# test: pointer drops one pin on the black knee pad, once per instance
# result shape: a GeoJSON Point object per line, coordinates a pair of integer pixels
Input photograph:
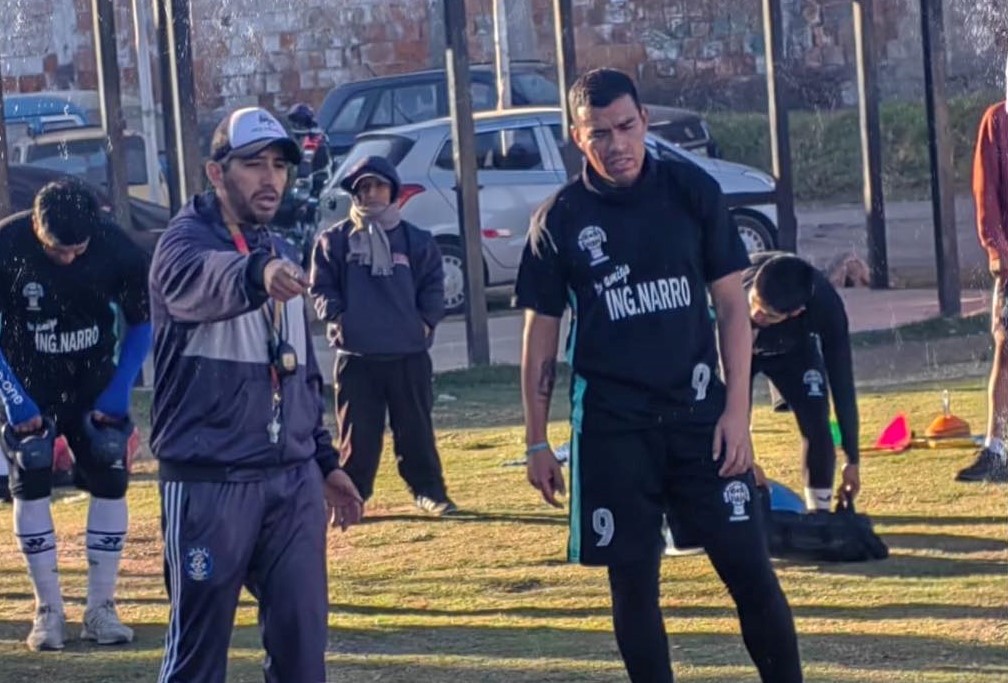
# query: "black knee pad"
{"type": "Point", "coordinates": [31, 459]}
{"type": "Point", "coordinates": [108, 443]}
{"type": "Point", "coordinates": [105, 473]}
{"type": "Point", "coordinates": [29, 452]}
{"type": "Point", "coordinates": [104, 482]}
{"type": "Point", "coordinates": [30, 484]}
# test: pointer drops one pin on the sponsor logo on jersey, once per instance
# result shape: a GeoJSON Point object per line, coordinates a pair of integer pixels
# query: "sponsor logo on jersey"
{"type": "Point", "coordinates": [11, 395]}
{"type": "Point", "coordinates": [736, 494]}
{"type": "Point", "coordinates": [199, 564]}
{"type": "Point", "coordinates": [653, 296]}
{"type": "Point", "coordinates": [813, 380]}
{"type": "Point", "coordinates": [33, 291]}
{"type": "Point", "coordinates": [591, 239]}
{"type": "Point", "coordinates": [72, 341]}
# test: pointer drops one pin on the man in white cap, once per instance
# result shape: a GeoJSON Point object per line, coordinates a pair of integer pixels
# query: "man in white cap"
{"type": "Point", "coordinates": [245, 462]}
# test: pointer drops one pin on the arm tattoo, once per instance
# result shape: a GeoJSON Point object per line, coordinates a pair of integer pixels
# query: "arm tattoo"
{"type": "Point", "coordinates": [547, 378]}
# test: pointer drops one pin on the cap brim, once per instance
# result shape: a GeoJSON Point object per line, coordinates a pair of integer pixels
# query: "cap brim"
{"type": "Point", "coordinates": [349, 184]}
{"type": "Point", "coordinates": [289, 149]}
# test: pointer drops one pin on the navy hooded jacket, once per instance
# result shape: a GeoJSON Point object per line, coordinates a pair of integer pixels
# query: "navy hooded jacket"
{"type": "Point", "coordinates": [212, 388]}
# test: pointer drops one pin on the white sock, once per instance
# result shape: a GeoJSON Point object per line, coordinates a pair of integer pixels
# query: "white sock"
{"type": "Point", "coordinates": [33, 527]}
{"type": "Point", "coordinates": [996, 445]}
{"type": "Point", "coordinates": [106, 532]}
{"type": "Point", "coordinates": [818, 499]}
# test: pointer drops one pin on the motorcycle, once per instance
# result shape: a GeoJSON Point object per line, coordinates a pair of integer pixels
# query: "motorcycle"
{"type": "Point", "coordinates": [297, 219]}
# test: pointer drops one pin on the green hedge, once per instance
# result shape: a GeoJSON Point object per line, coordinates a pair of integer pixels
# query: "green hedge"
{"type": "Point", "coordinates": [826, 147]}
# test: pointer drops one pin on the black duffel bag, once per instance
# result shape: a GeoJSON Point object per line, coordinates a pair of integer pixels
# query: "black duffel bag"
{"type": "Point", "coordinates": [841, 536]}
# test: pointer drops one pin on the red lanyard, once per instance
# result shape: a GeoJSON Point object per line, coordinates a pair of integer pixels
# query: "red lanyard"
{"type": "Point", "coordinates": [242, 245]}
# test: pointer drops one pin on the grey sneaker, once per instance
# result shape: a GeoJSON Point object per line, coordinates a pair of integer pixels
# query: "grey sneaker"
{"type": "Point", "coordinates": [48, 629]}
{"type": "Point", "coordinates": [988, 466]}
{"type": "Point", "coordinates": [436, 508]}
{"type": "Point", "coordinates": [102, 625]}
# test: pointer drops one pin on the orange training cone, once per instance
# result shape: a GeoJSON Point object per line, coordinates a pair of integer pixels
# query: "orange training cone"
{"type": "Point", "coordinates": [946, 426]}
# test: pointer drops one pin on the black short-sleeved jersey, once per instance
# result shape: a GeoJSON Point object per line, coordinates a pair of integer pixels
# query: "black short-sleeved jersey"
{"type": "Point", "coordinates": [57, 323]}
{"type": "Point", "coordinates": [633, 264]}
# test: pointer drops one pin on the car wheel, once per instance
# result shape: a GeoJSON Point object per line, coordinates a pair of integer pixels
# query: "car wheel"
{"type": "Point", "coordinates": [454, 277]}
{"type": "Point", "coordinates": [754, 232]}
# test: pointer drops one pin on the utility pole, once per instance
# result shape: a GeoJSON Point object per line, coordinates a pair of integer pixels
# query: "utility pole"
{"type": "Point", "coordinates": [148, 117]}
{"type": "Point", "coordinates": [940, 149]}
{"type": "Point", "coordinates": [463, 131]}
{"type": "Point", "coordinates": [780, 137]}
{"type": "Point", "coordinates": [103, 13]}
{"type": "Point", "coordinates": [563, 30]}
{"type": "Point", "coordinates": [502, 54]}
{"type": "Point", "coordinates": [871, 142]}
{"type": "Point", "coordinates": [5, 199]}
{"type": "Point", "coordinates": [178, 88]}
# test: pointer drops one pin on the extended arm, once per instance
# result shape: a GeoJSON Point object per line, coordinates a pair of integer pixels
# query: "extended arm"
{"type": "Point", "coordinates": [205, 285]}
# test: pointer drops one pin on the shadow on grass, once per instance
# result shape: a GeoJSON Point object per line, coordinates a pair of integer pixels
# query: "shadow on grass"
{"type": "Point", "coordinates": [468, 517]}
{"type": "Point", "coordinates": [949, 543]}
{"type": "Point", "coordinates": [911, 567]}
{"type": "Point", "coordinates": [959, 520]}
{"type": "Point", "coordinates": [673, 612]}
{"type": "Point", "coordinates": [525, 654]}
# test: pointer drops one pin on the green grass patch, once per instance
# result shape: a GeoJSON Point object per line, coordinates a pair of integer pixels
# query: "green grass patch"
{"type": "Point", "coordinates": [486, 597]}
{"type": "Point", "coordinates": [826, 147]}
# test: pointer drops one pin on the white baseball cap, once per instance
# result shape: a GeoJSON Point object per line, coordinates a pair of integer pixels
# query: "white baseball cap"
{"type": "Point", "coordinates": [245, 132]}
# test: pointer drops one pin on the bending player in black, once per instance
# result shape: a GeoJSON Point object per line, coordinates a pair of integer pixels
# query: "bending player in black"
{"type": "Point", "coordinates": [802, 345]}
{"type": "Point", "coordinates": [632, 246]}
{"type": "Point", "coordinates": [65, 270]}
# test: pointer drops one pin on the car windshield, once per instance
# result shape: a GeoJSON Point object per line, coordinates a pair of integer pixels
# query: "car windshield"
{"type": "Point", "coordinates": [92, 156]}
{"type": "Point", "coordinates": [535, 88]}
{"type": "Point", "coordinates": [393, 147]}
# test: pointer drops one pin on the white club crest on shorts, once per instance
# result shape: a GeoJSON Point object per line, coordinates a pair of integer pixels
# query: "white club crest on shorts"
{"type": "Point", "coordinates": [33, 291]}
{"type": "Point", "coordinates": [813, 380]}
{"type": "Point", "coordinates": [199, 564]}
{"type": "Point", "coordinates": [591, 240]}
{"type": "Point", "coordinates": [736, 494]}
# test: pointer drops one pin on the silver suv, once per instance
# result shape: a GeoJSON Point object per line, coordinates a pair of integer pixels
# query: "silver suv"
{"type": "Point", "coordinates": [518, 167]}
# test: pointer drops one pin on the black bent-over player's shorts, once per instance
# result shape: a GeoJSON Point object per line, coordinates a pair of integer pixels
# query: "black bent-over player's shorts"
{"type": "Point", "coordinates": [623, 482]}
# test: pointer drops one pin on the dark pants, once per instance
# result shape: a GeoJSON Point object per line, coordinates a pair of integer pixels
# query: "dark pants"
{"type": "Point", "coordinates": [616, 508]}
{"type": "Point", "coordinates": [800, 377]}
{"type": "Point", "coordinates": [268, 535]}
{"type": "Point", "coordinates": [368, 388]}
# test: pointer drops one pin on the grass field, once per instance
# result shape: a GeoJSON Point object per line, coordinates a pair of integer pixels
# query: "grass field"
{"type": "Point", "coordinates": [486, 596]}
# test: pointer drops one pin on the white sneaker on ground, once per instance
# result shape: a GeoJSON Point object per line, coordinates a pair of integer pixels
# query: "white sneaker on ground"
{"type": "Point", "coordinates": [48, 629]}
{"type": "Point", "coordinates": [102, 625]}
{"type": "Point", "coordinates": [671, 550]}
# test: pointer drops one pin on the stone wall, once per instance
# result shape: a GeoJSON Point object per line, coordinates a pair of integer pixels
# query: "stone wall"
{"type": "Point", "coordinates": [702, 53]}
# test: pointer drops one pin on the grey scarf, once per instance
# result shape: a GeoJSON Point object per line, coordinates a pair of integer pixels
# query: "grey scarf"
{"type": "Point", "coordinates": [368, 244]}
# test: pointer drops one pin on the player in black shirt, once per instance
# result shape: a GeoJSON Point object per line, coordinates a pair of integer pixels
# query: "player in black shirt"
{"type": "Point", "coordinates": [632, 246]}
{"type": "Point", "coordinates": [66, 276]}
{"type": "Point", "coordinates": [802, 345]}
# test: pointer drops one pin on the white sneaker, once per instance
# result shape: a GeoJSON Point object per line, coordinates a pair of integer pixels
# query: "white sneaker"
{"type": "Point", "coordinates": [102, 625]}
{"type": "Point", "coordinates": [48, 630]}
{"type": "Point", "coordinates": [671, 549]}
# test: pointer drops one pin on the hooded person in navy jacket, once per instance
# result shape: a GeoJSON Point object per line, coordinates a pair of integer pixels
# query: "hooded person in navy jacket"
{"type": "Point", "coordinates": [378, 283]}
{"type": "Point", "coordinates": [246, 465]}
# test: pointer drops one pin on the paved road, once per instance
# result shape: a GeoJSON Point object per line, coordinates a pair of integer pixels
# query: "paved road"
{"type": "Point", "coordinates": [825, 231]}
{"type": "Point", "coordinates": [867, 309]}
